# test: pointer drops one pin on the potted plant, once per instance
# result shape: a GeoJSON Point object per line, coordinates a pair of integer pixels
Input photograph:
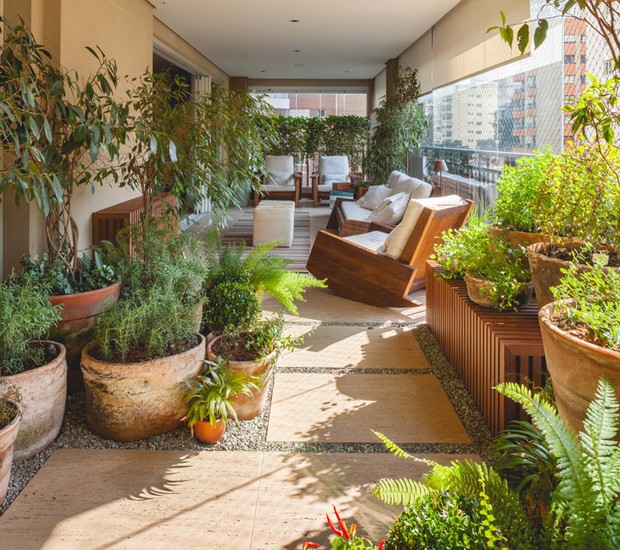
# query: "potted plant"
{"type": "Point", "coordinates": [581, 336]}
{"type": "Point", "coordinates": [54, 135]}
{"type": "Point", "coordinates": [495, 273]}
{"type": "Point", "coordinates": [210, 397]}
{"type": "Point", "coordinates": [10, 417]}
{"type": "Point", "coordinates": [33, 372]}
{"type": "Point", "coordinates": [518, 190]}
{"type": "Point", "coordinates": [147, 344]}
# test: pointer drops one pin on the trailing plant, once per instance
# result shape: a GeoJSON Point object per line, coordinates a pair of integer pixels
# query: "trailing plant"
{"type": "Point", "coordinates": [580, 199]}
{"type": "Point", "coordinates": [500, 520]}
{"type": "Point", "coordinates": [26, 314]}
{"type": "Point", "coordinates": [518, 190]}
{"type": "Point", "coordinates": [92, 273]}
{"type": "Point", "coordinates": [588, 304]}
{"type": "Point", "coordinates": [478, 252]}
{"type": "Point", "coordinates": [55, 125]}
{"type": "Point", "coordinates": [400, 126]}
{"type": "Point", "coordinates": [210, 396]}
{"type": "Point", "coordinates": [585, 507]}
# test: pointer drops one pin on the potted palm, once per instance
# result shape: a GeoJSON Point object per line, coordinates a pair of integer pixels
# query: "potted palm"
{"type": "Point", "coordinates": [56, 135]}
{"type": "Point", "coordinates": [210, 399]}
{"type": "Point", "coordinates": [581, 335]}
{"type": "Point", "coordinates": [10, 417]}
{"type": "Point", "coordinates": [33, 372]}
{"type": "Point", "coordinates": [147, 344]}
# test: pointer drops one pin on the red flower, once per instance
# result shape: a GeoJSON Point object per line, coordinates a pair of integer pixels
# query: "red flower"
{"type": "Point", "coordinates": [309, 544]}
{"type": "Point", "coordinates": [345, 532]}
{"type": "Point", "coordinates": [381, 545]}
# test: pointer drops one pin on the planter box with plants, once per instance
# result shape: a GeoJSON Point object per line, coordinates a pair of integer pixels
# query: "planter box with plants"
{"type": "Point", "coordinates": [33, 372]}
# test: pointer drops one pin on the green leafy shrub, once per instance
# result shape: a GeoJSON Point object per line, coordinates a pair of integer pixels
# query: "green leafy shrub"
{"type": "Point", "coordinates": [439, 520]}
{"type": "Point", "coordinates": [8, 411]}
{"type": "Point", "coordinates": [231, 306]}
{"type": "Point", "coordinates": [594, 306]}
{"type": "Point", "coordinates": [26, 314]}
{"type": "Point", "coordinates": [210, 395]}
{"type": "Point", "coordinates": [476, 251]}
{"type": "Point", "coordinates": [518, 192]}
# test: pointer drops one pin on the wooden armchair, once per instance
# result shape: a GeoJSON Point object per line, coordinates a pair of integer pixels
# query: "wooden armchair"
{"type": "Point", "coordinates": [354, 271]}
{"type": "Point", "coordinates": [280, 181]}
{"type": "Point", "coordinates": [332, 171]}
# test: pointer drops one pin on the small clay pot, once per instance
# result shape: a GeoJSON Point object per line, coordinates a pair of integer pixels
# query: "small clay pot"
{"type": "Point", "coordinates": [206, 433]}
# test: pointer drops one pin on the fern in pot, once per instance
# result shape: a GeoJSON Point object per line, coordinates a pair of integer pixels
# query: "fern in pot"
{"type": "Point", "coordinates": [495, 272]}
{"type": "Point", "coordinates": [147, 345]}
{"type": "Point", "coordinates": [581, 336]}
{"type": "Point", "coordinates": [32, 371]}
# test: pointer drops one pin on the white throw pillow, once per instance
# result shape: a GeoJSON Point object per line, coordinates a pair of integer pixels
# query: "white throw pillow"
{"type": "Point", "coordinates": [398, 237]}
{"type": "Point", "coordinates": [420, 189]}
{"type": "Point", "coordinates": [391, 209]}
{"type": "Point", "coordinates": [374, 196]}
{"type": "Point", "coordinates": [338, 164]}
{"type": "Point", "coordinates": [328, 179]}
{"type": "Point", "coordinates": [280, 178]}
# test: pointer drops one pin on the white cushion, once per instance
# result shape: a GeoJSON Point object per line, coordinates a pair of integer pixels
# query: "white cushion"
{"type": "Point", "coordinates": [352, 211]}
{"type": "Point", "coordinates": [395, 177]}
{"type": "Point", "coordinates": [372, 241]}
{"type": "Point", "coordinates": [333, 165]}
{"type": "Point", "coordinates": [272, 187]}
{"type": "Point", "coordinates": [280, 178]}
{"type": "Point", "coordinates": [324, 187]}
{"type": "Point", "coordinates": [274, 221]}
{"type": "Point", "coordinates": [275, 164]}
{"type": "Point", "coordinates": [397, 239]}
{"type": "Point", "coordinates": [328, 179]}
{"type": "Point", "coordinates": [391, 209]}
{"type": "Point", "coordinates": [420, 189]}
{"type": "Point", "coordinates": [374, 196]}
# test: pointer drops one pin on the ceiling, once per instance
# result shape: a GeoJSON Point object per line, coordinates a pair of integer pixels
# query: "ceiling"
{"type": "Point", "coordinates": [342, 39]}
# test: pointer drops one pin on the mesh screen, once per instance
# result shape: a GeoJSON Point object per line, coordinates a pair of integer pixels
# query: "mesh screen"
{"type": "Point", "coordinates": [320, 105]}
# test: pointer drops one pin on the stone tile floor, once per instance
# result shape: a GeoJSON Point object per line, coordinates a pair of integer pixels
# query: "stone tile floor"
{"type": "Point", "coordinates": [360, 369]}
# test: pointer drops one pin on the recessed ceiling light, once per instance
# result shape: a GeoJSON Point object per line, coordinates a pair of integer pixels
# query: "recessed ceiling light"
{"type": "Point", "coordinates": [263, 71]}
{"type": "Point", "coordinates": [297, 51]}
{"type": "Point", "coordinates": [294, 20]}
{"type": "Point", "coordinates": [298, 65]}
{"type": "Point", "coordinates": [347, 71]}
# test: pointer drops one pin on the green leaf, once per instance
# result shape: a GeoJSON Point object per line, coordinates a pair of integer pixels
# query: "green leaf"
{"type": "Point", "coordinates": [540, 34]}
{"type": "Point", "coordinates": [94, 150]}
{"type": "Point", "coordinates": [153, 145]}
{"type": "Point", "coordinates": [523, 37]}
{"type": "Point", "coordinates": [172, 149]}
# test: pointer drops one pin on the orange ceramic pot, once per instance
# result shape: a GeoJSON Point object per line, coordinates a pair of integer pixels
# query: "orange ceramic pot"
{"type": "Point", "coordinates": [206, 433]}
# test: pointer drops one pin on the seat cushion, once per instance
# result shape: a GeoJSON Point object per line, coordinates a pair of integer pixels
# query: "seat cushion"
{"type": "Point", "coordinates": [352, 211]}
{"type": "Point", "coordinates": [391, 210]}
{"type": "Point", "coordinates": [397, 239]}
{"type": "Point", "coordinates": [374, 240]}
{"type": "Point", "coordinates": [273, 187]}
{"type": "Point", "coordinates": [402, 183]}
{"type": "Point", "coordinates": [374, 196]}
{"type": "Point", "coordinates": [328, 179]}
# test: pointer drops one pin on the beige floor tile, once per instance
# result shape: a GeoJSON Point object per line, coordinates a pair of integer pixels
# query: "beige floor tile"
{"type": "Point", "coordinates": [136, 499]}
{"type": "Point", "coordinates": [322, 305]}
{"type": "Point", "coordinates": [297, 490]}
{"type": "Point", "coordinates": [359, 347]}
{"type": "Point", "coordinates": [407, 408]}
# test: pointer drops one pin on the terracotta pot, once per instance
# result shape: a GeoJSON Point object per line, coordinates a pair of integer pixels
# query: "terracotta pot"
{"type": "Point", "coordinates": [520, 238]}
{"type": "Point", "coordinates": [42, 395]}
{"type": "Point", "coordinates": [546, 272]}
{"type": "Point", "coordinates": [8, 434]}
{"type": "Point", "coordinates": [478, 292]}
{"type": "Point", "coordinates": [133, 401]}
{"type": "Point", "coordinates": [205, 433]}
{"type": "Point", "coordinates": [248, 406]}
{"type": "Point", "coordinates": [575, 367]}
{"type": "Point", "coordinates": [74, 330]}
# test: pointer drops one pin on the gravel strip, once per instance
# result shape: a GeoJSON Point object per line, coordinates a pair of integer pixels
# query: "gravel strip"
{"type": "Point", "coordinates": [251, 435]}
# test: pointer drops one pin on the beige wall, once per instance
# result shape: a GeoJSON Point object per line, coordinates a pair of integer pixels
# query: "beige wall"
{"type": "Point", "coordinates": [379, 89]}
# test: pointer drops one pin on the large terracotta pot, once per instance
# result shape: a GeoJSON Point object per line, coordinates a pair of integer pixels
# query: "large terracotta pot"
{"type": "Point", "coordinates": [42, 395]}
{"type": "Point", "coordinates": [248, 406]}
{"type": "Point", "coordinates": [205, 433]}
{"type": "Point", "coordinates": [74, 329]}
{"type": "Point", "coordinates": [478, 292]}
{"type": "Point", "coordinates": [520, 238]}
{"type": "Point", "coordinates": [8, 434]}
{"type": "Point", "coordinates": [133, 401]}
{"type": "Point", "coordinates": [575, 367]}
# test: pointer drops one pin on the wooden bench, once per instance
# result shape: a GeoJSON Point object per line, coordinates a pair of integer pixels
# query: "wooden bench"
{"type": "Point", "coordinates": [485, 347]}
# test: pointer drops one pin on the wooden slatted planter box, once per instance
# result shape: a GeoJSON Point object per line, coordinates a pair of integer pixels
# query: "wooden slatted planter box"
{"type": "Point", "coordinates": [485, 347]}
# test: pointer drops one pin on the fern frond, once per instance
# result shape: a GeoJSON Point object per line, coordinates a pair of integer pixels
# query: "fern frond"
{"type": "Point", "coordinates": [402, 491]}
{"type": "Point", "coordinates": [391, 446]}
{"type": "Point", "coordinates": [601, 450]}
